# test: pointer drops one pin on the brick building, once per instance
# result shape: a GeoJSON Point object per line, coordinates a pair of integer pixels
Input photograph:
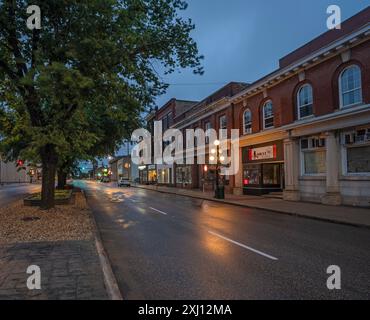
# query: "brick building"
{"type": "Point", "coordinates": [168, 114]}
{"type": "Point", "coordinates": [9, 173]}
{"type": "Point", "coordinates": [304, 128]}
{"type": "Point", "coordinates": [214, 112]}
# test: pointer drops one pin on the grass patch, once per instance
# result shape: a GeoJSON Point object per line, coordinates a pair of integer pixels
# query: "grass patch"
{"type": "Point", "coordinates": [59, 195]}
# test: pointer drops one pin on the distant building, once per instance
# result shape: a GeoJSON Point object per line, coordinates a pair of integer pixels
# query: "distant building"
{"type": "Point", "coordinates": [122, 167]}
{"type": "Point", "coordinates": [9, 173]}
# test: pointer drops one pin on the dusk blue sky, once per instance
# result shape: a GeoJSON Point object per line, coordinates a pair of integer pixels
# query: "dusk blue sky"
{"type": "Point", "coordinates": [243, 40]}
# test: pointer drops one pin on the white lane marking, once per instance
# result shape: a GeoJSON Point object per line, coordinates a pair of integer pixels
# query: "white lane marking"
{"type": "Point", "coordinates": [244, 246]}
{"type": "Point", "coordinates": [164, 213]}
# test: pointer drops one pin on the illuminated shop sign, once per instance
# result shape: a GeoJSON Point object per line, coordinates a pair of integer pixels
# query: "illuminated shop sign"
{"type": "Point", "coordinates": [263, 153]}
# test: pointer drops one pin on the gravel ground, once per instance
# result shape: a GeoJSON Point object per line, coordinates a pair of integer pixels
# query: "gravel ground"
{"type": "Point", "coordinates": [71, 222]}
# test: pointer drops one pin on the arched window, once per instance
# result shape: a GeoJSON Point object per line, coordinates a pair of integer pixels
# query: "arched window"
{"type": "Point", "coordinates": [268, 115]}
{"type": "Point", "coordinates": [350, 89]}
{"type": "Point", "coordinates": [305, 101]}
{"type": "Point", "coordinates": [247, 122]}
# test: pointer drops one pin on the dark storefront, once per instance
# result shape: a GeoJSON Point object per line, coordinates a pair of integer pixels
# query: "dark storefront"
{"type": "Point", "coordinates": [148, 174]}
{"type": "Point", "coordinates": [263, 168]}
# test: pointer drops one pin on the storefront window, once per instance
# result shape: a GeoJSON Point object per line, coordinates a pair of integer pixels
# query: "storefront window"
{"type": "Point", "coordinates": [143, 176]}
{"type": "Point", "coordinates": [152, 176]}
{"type": "Point", "coordinates": [164, 176]}
{"type": "Point", "coordinates": [313, 155]}
{"type": "Point", "coordinates": [314, 162]}
{"type": "Point", "coordinates": [271, 174]}
{"type": "Point", "coordinates": [183, 174]}
{"type": "Point", "coordinates": [358, 159]}
{"type": "Point", "coordinates": [251, 175]}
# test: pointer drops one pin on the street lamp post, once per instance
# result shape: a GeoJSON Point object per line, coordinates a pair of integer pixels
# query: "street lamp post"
{"type": "Point", "coordinates": [219, 192]}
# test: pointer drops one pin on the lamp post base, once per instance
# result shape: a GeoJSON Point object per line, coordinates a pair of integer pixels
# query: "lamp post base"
{"type": "Point", "coordinates": [220, 192]}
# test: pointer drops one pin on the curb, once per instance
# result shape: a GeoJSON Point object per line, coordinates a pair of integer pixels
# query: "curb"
{"type": "Point", "coordinates": [110, 280]}
{"type": "Point", "coordinates": [294, 214]}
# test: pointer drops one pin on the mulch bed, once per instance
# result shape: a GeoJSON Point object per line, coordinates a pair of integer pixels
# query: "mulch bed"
{"type": "Point", "coordinates": [30, 224]}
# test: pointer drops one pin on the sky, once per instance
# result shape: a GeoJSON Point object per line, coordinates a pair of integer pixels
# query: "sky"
{"type": "Point", "coordinates": [243, 40]}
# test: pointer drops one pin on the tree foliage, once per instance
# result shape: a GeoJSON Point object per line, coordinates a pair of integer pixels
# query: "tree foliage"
{"type": "Point", "coordinates": [77, 87]}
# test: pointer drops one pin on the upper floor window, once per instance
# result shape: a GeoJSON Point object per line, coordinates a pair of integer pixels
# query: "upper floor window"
{"type": "Point", "coordinates": [305, 101]}
{"type": "Point", "coordinates": [223, 122]}
{"type": "Point", "coordinates": [167, 121]}
{"type": "Point", "coordinates": [170, 119]}
{"type": "Point", "coordinates": [350, 89]}
{"type": "Point", "coordinates": [164, 123]}
{"type": "Point", "coordinates": [208, 126]}
{"type": "Point", "coordinates": [268, 115]}
{"type": "Point", "coordinates": [247, 122]}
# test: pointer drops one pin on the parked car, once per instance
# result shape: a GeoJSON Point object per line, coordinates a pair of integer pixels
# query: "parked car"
{"type": "Point", "coordinates": [124, 183]}
{"type": "Point", "coordinates": [105, 180]}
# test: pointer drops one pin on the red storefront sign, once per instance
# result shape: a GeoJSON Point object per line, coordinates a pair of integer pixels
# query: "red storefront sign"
{"type": "Point", "coordinates": [263, 153]}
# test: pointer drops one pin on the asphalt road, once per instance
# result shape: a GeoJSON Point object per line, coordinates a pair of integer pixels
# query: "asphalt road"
{"type": "Point", "coordinates": [172, 247]}
{"type": "Point", "coordinates": [12, 192]}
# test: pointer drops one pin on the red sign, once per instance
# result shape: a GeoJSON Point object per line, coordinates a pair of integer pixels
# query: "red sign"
{"type": "Point", "coordinates": [263, 153]}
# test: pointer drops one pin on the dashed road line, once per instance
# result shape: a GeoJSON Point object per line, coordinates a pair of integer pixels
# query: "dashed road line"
{"type": "Point", "coordinates": [244, 246]}
{"type": "Point", "coordinates": [159, 211]}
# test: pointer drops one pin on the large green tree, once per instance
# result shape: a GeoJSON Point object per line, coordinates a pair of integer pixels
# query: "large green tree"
{"type": "Point", "coordinates": [92, 62]}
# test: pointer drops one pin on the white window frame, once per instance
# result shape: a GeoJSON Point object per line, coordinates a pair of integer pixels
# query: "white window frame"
{"type": "Point", "coordinates": [206, 128]}
{"type": "Point", "coordinates": [345, 147]}
{"type": "Point", "coordinates": [341, 93]}
{"type": "Point", "coordinates": [311, 149]}
{"type": "Point", "coordinates": [299, 106]}
{"type": "Point", "coordinates": [220, 122]}
{"type": "Point", "coordinates": [245, 131]}
{"type": "Point", "coordinates": [263, 115]}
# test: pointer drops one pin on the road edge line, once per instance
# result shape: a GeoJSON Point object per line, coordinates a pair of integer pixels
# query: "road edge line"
{"type": "Point", "coordinates": [110, 281]}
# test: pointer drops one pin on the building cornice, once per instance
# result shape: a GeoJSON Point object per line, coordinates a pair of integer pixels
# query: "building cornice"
{"type": "Point", "coordinates": [204, 113]}
{"type": "Point", "coordinates": [325, 53]}
{"type": "Point", "coordinates": [281, 132]}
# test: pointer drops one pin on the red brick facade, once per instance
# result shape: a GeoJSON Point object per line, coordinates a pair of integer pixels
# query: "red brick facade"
{"type": "Point", "coordinates": [319, 63]}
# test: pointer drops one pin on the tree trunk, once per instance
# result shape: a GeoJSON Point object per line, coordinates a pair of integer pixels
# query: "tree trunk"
{"type": "Point", "coordinates": [49, 161]}
{"type": "Point", "coordinates": [62, 179]}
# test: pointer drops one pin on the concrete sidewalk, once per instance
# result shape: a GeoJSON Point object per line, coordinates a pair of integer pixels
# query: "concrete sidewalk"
{"type": "Point", "coordinates": [359, 217]}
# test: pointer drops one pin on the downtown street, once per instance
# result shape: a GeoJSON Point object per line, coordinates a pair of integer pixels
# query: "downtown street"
{"type": "Point", "coordinates": [172, 247]}
{"type": "Point", "coordinates": [15, 191]}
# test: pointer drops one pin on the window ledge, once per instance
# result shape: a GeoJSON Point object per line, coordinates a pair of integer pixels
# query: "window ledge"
{"type": "Point", "coordinates": [351, 106]}
{"type": "Point", "coordinates": [312, 178]}
{"type": "Point", "coordinates": [359, 177]}
{"type": "Point", "coordinates": [267, 129]}
{"type": "Point", "coordinates": [305, 118]}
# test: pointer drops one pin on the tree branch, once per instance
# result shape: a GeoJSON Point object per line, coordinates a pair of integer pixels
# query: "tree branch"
{"type": "Point", "coordinates": [8, 71]}
{"type": "Point", "coordinates": [13, 40]}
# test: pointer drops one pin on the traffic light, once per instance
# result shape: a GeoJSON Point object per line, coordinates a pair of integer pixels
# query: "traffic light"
{"type": "Point", "coordinates": [20, 163]}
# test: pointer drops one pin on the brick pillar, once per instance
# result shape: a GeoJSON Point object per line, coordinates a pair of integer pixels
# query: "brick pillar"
{"type": "Point", "coordinates": [332, 196]}
{"type": "Point", "coordinates": [238, 183]}
{"type": "Point", "coordinates": [291, 170]}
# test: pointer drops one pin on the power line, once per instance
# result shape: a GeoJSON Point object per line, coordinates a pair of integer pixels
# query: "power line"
{"type": "Point", "coordinates": [197, 84]}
